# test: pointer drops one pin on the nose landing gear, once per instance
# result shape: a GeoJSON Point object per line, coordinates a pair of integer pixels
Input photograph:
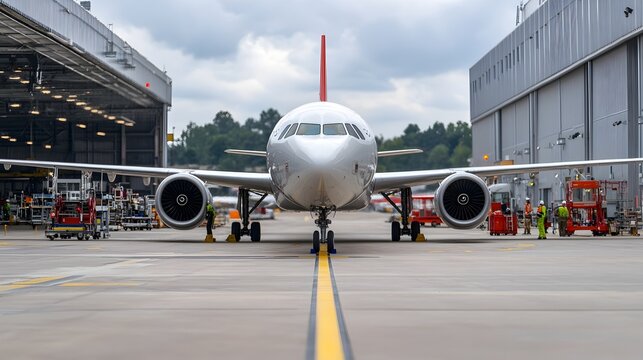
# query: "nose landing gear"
{"type": "Point", "coordinates": [323, 236]}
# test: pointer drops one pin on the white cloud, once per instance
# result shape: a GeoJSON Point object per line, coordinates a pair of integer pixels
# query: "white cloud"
{"type": "Point", "coordinates": [393, 62]}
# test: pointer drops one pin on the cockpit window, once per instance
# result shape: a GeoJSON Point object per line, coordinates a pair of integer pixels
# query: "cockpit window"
{"type": "Point", "coordinates": [334, 129]}
{"type": "Point", "coordinates": [309, 129]}
{"type": "Point", "coordinates": [292, 131]}
{"type": "Point", "coordinates": [284, 132]}
{"type": "Point", "coordinates": [351, 131]}
{"type": "Point", "coordinates": [361, 136]}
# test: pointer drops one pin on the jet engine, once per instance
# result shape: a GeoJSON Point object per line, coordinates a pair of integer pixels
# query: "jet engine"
{"type": "Point", "coordinates": [462, 201]}
{"type": "Point", "coordinates": [181, 200]}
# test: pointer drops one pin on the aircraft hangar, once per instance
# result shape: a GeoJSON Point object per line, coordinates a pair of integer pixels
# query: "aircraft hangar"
{"type": "Point", "coordinates": [564, 85]}
{"type": "Point", "coordinates": [71, 90]}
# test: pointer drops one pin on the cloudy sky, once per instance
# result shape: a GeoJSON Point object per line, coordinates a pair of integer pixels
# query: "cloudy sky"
{"type": "Point", "coordinates": [394, 62]}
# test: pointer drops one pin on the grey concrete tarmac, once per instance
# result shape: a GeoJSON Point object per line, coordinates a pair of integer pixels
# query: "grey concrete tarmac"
{"type": "Point", "coordinates": [165, 294]}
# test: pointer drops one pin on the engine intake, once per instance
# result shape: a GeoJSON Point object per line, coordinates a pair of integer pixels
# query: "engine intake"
{"type": "Point", "coordinates": [181, 201]}
{"type": "Point", "coordinates": [462, 201]}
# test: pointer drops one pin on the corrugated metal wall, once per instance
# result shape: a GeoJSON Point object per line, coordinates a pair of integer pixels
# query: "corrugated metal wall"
{"type": "Point", "coordinates": [484, 141]}
{"type": "Point", "coordinates": [559, 37]}
{"type": "Point", "coordinates": [610, 111]}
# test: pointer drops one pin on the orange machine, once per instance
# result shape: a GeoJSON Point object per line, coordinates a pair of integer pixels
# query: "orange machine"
{"type": "Point", "coordinates": [585, 204]}
{"type": "Point", "coordinates": [424, 211]}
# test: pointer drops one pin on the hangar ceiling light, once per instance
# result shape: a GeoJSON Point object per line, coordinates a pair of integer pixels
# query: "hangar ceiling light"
{"type": "Point", "coordinates": [120, 121]}
{"type": "Point", "coordinates": [111, 117]}
{"type": "Point", "coordinates": [29, 142]}
{"type": "Point", "coordinates": [57, 97]}
{"type": "Point", "coordinates": [46, 91]}
{"type": "Point", "coordinates": [100, 133]}
{"type": "Point", "coordinates": [14, 105]}
{"type": "Point", "coordinates": [129, 124]}
{"type": "Point", "coordinates": [14, 77]}
{"type": "Point", "coordinates": [81, 103]}
{"type": "Point", "coordinates": [5, 137]}
{"type": "Point", "coordinates": [61, 119]}
{"type": "Point", "coordinates": [82, 126]}
{"type": "Point", "coordinates": [13, 139]}
{"type": "Point", "coordinates": [47, 146]}
{"type": "Point", "coordinates": [24, 82]}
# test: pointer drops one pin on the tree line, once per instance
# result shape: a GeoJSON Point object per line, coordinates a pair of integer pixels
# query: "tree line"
{"type": "Point", "coordinates": [444, 145]}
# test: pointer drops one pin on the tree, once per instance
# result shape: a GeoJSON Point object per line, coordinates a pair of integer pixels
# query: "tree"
{"type": "Point", "coordinates": [461, 155]}
{"type": "Point", "coordinates": [443, 145]}
{"type": "Point", "coordinates": [439, 157]}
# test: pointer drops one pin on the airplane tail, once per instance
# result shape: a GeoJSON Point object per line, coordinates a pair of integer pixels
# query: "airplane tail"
{"type": "Point", "coordinates": [322, 70]}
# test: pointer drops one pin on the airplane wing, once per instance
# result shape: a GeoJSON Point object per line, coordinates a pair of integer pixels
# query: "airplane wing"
{"type": "Point", "coordinates": [253, 181]}
{"type": "Point", "coordinates": [398, 152]}
{"type": "Point", "coordinates": [246, 152]}
{"type": "Point", "coordinates": [396, 180]}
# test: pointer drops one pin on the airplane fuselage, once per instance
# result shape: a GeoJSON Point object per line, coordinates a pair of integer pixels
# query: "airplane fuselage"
{"type": "Point", "coordinates": [322, 155]}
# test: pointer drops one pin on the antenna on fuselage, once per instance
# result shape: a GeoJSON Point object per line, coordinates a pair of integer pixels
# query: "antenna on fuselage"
{"type": "Point", "coordinates": [322, 70]}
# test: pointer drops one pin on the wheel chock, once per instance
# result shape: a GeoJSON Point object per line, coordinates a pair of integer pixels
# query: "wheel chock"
{"type": "Point", "coordinates": [420, 238]}
{"type": "Point", "coordinates": [231, 239]}
{"type": "Point", "coordinates": [333, 251]}
{"type": "Point", "coordinates": [209, 238]}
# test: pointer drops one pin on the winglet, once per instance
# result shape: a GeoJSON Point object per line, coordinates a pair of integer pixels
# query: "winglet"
{"type": "Point", "coordinates": [322, 70]}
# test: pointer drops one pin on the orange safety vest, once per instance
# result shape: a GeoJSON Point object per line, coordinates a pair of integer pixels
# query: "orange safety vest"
{"type": "Point", "coordinates": [528, 209]}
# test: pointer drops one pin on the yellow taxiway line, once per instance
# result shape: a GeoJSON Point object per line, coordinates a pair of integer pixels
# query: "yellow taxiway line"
{"type": "Point", "coordinates": [27, 283]}
{"type": "Point", "coordinates": [327, 335]}
{"type": "Point", "coordinates": [328, 339]}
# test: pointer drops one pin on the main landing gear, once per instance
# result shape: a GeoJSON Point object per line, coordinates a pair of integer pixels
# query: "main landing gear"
{"type": "Point", "coordinates": [407, 205]}
{"type": "Point", "coordinates": [243, 205]}
{"type": "Point", "coordinates": [323, 236]}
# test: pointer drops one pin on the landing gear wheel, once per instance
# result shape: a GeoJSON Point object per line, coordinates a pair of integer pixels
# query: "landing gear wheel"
{"type": "Point", "coordinates": [255, 232]}
{"type": "Point", "coordinates": [415, 230]}
{"type": "Point", "coordinates": [395, 231]}
{"type": "Point", "coordinates": [236, 230]}
{"type": "Point", "coordinates": [316, 242]}
{"type": "Point", "coordinates": [330, 242]}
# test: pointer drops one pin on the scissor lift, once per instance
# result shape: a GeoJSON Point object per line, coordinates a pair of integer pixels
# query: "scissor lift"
{"type": "Point", "coordinates": [585, 205]}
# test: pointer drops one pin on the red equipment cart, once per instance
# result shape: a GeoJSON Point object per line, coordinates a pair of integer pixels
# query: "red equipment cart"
{"type": "Point", "coordinates": [585, 205]}
{"type": "Point", "coordinates": [424, 210]}
{"type": "Point", "coordinates": [502, 218]}
{"type": "Point", "coordinates": [73, 218]}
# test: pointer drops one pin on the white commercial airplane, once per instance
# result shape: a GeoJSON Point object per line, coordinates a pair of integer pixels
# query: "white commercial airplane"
{"type": "Point", "coordinates": [321, 158]}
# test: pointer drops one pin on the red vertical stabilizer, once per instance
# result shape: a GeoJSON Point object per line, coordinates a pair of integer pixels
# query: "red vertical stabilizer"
{"type": "Point", "coordinates": [322, 70]}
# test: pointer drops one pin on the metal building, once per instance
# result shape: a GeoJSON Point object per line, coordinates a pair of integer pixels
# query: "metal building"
{"type": "Point", "coordinates": [564, 85]}
{"type": "Point", "coordinates": [71, 90]}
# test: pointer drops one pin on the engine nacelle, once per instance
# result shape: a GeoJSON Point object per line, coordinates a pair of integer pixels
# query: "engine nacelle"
{"type": "Point", "coordinates": [181, 201]}
{"type": "Point", "coordinates": [462, 201]}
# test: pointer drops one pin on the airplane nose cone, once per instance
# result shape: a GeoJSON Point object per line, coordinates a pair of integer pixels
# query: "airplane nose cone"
{"type": "Point", "coordinates": [323, 172]}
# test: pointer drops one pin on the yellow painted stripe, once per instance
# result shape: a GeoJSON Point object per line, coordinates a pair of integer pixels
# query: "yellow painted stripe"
{"type": "Point", "coordinates": [36, 281]}
{"type": "Point", "coordinates": [29, 282]}
{"type": "Point", "coordinates": [87, 284]}
{"type": "Point", "coordinates": [328, 341]}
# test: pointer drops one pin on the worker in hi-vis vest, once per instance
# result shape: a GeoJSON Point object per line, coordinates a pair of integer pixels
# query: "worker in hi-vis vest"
{"type": "Point", "coordinates": [541, 213]}
{"type": "Point", "coordinates": [563, 215]}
